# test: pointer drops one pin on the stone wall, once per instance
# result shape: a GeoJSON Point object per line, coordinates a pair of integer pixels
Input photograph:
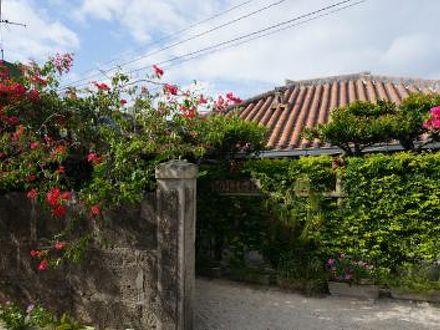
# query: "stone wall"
{"type": "Point", "coordinates": [138, 275]}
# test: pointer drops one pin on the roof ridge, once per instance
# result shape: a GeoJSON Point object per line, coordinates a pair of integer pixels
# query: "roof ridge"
{"type": "Point", "coordinates": [367, 76]}
{"type": "Point", "coordinates": [426, 84]}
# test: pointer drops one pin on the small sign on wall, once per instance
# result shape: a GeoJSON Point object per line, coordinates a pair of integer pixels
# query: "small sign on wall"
{"type": "Point", "coordinates": [236, 187]}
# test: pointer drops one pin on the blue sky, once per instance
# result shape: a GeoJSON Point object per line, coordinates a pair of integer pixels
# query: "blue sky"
{"type": "Point", "coordinates": [391, 37]}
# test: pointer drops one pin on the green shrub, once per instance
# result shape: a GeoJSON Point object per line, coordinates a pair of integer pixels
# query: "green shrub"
{"type": "Point", "coordinates": [362, 124]}
{"type": "Point", "coordinates": [34, 317]}
{"type": "Point", "coordinates": [390, 215]}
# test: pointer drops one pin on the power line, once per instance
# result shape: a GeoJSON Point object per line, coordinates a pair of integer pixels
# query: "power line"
{"type": "Point", "coordinates": [177, 33]}
{"type": "Point", "coordinates": [174, 64]}
{"type": "Point", "coordinates": [255, 33]}
{"type": "Point", "coordinates": [196, 36]}
{"type": "Point", "coordinates": [258, 34]}
{"type": "Point", "coordinates": [5, 22]}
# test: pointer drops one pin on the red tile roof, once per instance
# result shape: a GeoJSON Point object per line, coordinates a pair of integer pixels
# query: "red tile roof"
{"type": "Point", "coordinates": [286, 110]}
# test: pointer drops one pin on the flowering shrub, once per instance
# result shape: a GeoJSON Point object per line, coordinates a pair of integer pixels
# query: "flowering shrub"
{"type": "Point", "coordinates": [81, 152]}
{"type": "Point", "coordinates": [346, 269]}
{"type": "Point", "coordinates": [432, 124]}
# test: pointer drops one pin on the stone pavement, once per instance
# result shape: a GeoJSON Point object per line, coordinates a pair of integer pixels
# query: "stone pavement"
{"type": "Point", "coordinates": [228, 305]}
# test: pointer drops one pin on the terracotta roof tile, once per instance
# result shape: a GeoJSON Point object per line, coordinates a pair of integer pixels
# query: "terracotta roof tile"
{"type": "Point", "coordinates": [287, 109]}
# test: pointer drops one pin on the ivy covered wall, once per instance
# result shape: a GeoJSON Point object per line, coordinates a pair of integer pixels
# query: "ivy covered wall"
{"type": "Point", "coordinates": [389, 217]}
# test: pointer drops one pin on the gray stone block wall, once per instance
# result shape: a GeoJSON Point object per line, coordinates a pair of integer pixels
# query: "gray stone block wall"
{"type": "Point", "coordinates": [139, 274]}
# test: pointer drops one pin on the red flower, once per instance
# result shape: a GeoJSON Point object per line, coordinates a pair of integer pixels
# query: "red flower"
{"type": "Point", "coordinates": [123, 102]}
{"type": "Point", "coordinates": [35, 253]}
{"type": "Point", "coordinates": [157, 71]}
{"type": "Point", "coordinates": [11, 120]}
{"type": "Point", "coordinates": [34, 95]}
{"type": "Point", "coordinates": [59, 150]}
{"type": "Point", "coordinates": [190, 113]}
{"type": "Point", "coordinates": [95, 210]}
{"type": "Point", "coordinates": [202, 99]}
{"type": "Point", "coordinates": [94, 158]}
{"type": "Point", "coordinates": [31, 178]}
{"type": "Point", "coordinates": [39, 81]}
{"type": "Point", "coordinates": [60, 170]}
{"type": "Point", "coordinates": [59, 246]}
{"type": "Point", "coordinates": [42, 266]}
{"type": "Point", "coordinates": [101, 86]}
{"type": "Point", "coordinates": [59, 211]}
{"type": "Point", "coordinates": [231, 97]}
{"type": "Point", "coordinates": [52, 196]}
{"type": "Point", "coordinates": [170, 89]}
{"type": "Point", "coordinates": [65, 195]}
{"type": "Point", "coordinates": [34, 145]}
{"type": "Point", "coordinates": [221, 103]}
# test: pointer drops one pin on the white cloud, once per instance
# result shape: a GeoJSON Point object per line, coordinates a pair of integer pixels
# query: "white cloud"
{"type": "Point", "coordinates": [142, 19]}
{"type": "Point", "coordinates": [44, 35]}
{"type": "Point", "coordinates": [395, 37]}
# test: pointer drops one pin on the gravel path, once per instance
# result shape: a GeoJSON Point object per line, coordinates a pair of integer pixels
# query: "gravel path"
{"type": "Point", "coordinates": [233, 306]}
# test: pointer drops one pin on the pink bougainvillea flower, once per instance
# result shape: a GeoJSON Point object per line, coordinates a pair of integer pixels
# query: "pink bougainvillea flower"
{"type": "Point", "coordinates": [35, 253]}
{"type": "Point", "coordinates": [32, 194]}
{"type": "Point", "coordinates": [436, 123]}
{"type": "Point", "coordinates": [123, 102]}
{"type": "Point", "coordinates": [220, 104]}
{"type": "Point", "coordinates": [427, 124]}
{"type": "Point", "coordinates": [62, 62]}
{"type": "Point", "coordinates": [59, 211]}
{"type": "Point", "coordinates": [435, 111]}
{"type": "Point", "coordinates": [34, 145]}
{"type": "Point", "coordinates": [102, 86]}
{"type": "Point", "coordinates": [60, 169]}
{"type": "Point", "coordinates": [65, 196]}
{"type": "Point", "coordinates": [233, 98]}
{"type": "Point", "coordinates": [95, 210]}
{"type": "Point", "coordinates": [93, 157]}
{"type": "Point", "coordinates": [202, 99]}
{"type": "Point", "coordinates": [42, 266]}
{"type": "Point", "coordinates": [59, 246]}
{"type": "Point", "coordinates": [170, 89]}
{"type": "Point", "coordinates": [157, 71]}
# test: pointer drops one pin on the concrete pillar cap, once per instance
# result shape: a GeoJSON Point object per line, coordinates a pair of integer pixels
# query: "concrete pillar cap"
{"type": "Point", "coordinates": [176, 169]}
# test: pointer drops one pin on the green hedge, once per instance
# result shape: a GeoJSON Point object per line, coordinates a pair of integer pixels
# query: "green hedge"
{"type": "Point", "coordinates": [392, 212]}
{"type": "Point", "coordinates": [391, 215]}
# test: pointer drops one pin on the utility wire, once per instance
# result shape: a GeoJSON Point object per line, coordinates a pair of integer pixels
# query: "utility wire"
{"type": "Point", "coordinates": [325, 11]}
{"type": "Point", "coordinates": [269, 28]}
{"type": "Point", "coordinates": [175, 34]}
{"type": "Point", "coordinates": [174, 64]}
{"type": "Point", "coordinates": [196, 36]}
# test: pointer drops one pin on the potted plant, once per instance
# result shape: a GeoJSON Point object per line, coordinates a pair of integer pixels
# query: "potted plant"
{"type": "Point", "coordinates": [351, 277]}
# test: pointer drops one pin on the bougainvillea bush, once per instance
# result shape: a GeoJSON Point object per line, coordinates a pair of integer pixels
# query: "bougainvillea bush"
{"type": "Point", "coordinates": [80, 152]}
